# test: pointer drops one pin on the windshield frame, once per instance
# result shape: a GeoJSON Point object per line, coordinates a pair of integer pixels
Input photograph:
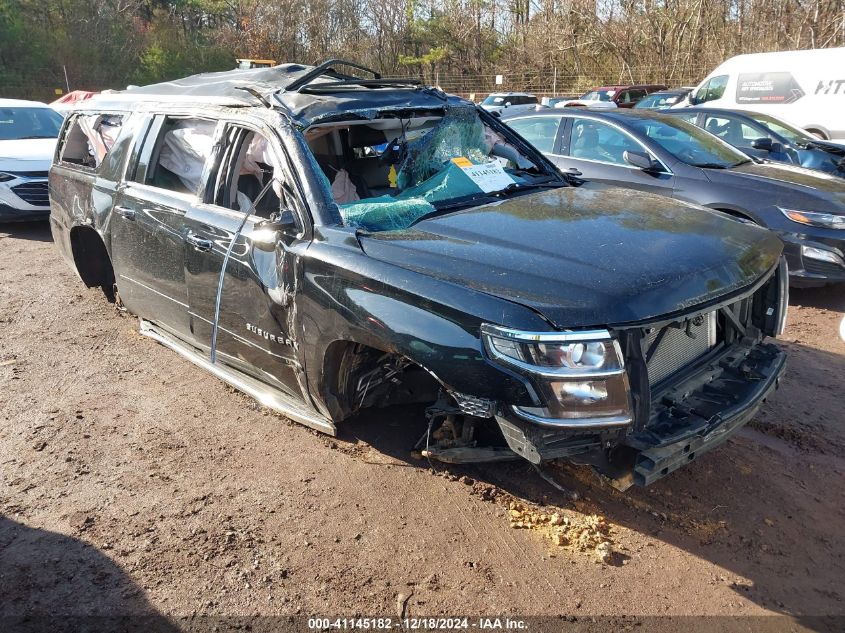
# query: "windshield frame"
{"type": "Point", "coordinates": [639, 126]}
{"type": "Point", "coordinates": [47, 112]}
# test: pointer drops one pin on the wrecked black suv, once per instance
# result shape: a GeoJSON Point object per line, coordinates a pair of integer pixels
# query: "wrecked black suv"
{"type": "Point", "coordinates": [329, 241]}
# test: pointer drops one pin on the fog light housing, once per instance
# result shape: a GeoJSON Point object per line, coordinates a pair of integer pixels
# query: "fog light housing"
{"type": "Point", "coordinates": [822, 255]}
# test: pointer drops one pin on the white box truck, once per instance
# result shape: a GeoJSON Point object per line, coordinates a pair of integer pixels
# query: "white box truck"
{"type": "Point", "coordinates": [806, 88]}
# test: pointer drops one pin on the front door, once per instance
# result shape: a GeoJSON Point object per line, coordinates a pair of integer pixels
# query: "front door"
{"type": "Point", "coordinates": [257, 327]}
{"type": "Point", "coordinates": [597, 149]}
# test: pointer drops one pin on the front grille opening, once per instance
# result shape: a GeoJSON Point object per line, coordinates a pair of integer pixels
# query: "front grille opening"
{"type": "Point", "coordinates": [35, 193]}
{"type": "Point", "coordinates": [674, 347]}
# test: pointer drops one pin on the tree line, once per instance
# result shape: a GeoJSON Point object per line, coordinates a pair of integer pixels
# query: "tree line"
{"type": "Point", "coordinates": [542, 45]}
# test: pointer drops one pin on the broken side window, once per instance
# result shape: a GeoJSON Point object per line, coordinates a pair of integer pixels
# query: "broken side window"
{"type": "Point", "coordinates": [181, 150]}
{"type": "Point", "coordinates": [248, 163]}
{"type": "Point", "coordinates": [90, 138]}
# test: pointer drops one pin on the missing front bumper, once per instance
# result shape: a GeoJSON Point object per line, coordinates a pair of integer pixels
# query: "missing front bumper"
{"type": "Point", "coordinates": [688, 420]}
{"type": "Point", "coordinates": [703, 412]}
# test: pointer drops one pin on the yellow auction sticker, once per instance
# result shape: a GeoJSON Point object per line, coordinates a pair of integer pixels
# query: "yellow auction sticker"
{"type": "Point", "coordinates": [462, 161]}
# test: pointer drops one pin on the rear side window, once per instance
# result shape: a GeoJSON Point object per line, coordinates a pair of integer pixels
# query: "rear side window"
{"type": "Point", "coordinates": [731, 130]}
{"type": "Point", "coordinates": [89, 139]}
{"type": "Point", "coordinates": [175, 157]}
{"type": "Point", "coordinates": [541, 132]}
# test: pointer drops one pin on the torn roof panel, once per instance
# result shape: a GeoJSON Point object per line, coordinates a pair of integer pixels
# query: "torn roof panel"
{"type": "Point", "coordinates": [304, 107]}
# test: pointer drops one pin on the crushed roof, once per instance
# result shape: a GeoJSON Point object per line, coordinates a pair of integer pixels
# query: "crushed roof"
{"type": "Point", "coordinates": [329, 96]}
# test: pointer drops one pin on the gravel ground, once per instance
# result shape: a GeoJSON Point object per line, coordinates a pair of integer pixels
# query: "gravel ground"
{"type": "Point", "coordinates": [134, 483]}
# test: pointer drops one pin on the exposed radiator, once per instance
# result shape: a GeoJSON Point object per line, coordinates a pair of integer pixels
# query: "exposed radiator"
{"type": "Point", "coordinates": [677, 348]}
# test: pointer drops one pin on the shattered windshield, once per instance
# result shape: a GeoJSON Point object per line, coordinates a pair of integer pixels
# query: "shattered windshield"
{"type": "Point", "coordinates": [388, 173]}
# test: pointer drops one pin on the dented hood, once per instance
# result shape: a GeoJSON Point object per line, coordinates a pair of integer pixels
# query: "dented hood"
{"type": "Point", "coordinates": [587, 256]}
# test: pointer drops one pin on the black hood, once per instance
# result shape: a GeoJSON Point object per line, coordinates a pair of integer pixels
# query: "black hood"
{"type": "Point", "coordinates": [587, 256]}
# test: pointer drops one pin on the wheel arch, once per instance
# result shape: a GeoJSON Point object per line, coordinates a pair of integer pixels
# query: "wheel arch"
{"type": "Point", "coordinates": [345, 359]}
{"type": "Point", "coordinates": [735, 212]}
{"type": "Point", "coordinates": [91, 259]}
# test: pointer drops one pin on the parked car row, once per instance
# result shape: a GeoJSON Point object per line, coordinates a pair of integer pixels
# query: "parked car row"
{"type": "Point", "coordinates": [603, 97]}
{"type": "Point", "coordinates": [327, 241]}
{"type": "Point", "coordinates": [662, 153]}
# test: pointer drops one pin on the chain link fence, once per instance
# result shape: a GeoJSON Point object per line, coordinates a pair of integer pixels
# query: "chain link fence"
{"type": "Point", "coordinates": [559, 82]}
{"type": "Point", "coordinates": [47, 84]}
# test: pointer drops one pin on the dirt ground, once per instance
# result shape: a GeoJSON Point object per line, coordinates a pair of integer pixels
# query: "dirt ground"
{"type": "Point", "coordinates": [135, 483]}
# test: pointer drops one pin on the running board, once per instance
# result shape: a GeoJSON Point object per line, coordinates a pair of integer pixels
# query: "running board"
{"type": "Point", "coordinates": [280, 402]}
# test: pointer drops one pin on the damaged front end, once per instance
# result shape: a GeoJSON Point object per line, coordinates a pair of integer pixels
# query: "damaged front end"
{"type": "Point", "coordinates": [637, 401]}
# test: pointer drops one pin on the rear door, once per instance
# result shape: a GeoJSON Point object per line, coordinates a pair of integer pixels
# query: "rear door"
{"type": "Point", "coordinates": [596, 149]}
{"type": "Point", "coordinates": [148, 219]}
{"type": "Point", "coordinates": [257, 330]}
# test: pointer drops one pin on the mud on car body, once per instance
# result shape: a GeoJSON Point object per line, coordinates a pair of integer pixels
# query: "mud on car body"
{"type": "Point", "coordinates": [330, 241]}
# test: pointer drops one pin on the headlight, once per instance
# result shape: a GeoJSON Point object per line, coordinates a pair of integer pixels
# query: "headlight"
{"type": "Point", "coordinates": [812, 218]}
{"type": "Point", "coordinates": [555, 353]}
{"type": "Point", "coordinates": [5, 177]}
{"type": "Point", "coordinates": [581, 374]}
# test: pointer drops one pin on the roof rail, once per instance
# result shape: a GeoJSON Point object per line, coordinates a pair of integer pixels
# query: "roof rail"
{"type": "Point", "coordinates": [326, 69]}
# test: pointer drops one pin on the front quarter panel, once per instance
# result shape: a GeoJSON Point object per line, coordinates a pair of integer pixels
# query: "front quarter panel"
{"type": "Point", "coordinates": [348, 296]}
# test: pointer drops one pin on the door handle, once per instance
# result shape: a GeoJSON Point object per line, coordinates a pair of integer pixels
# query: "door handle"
{"type": "Point", "coordinates": [199, 243]}
{"type": "Point", "coordinates": [125, 212]}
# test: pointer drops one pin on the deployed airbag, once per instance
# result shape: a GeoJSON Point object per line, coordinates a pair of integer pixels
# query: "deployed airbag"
{"type": "Point", "coordinates": [186, 148]}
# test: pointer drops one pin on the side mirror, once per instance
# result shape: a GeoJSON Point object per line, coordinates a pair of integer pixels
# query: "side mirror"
{"type": "Point", "coordinates": [693, 98]}
{"type": "Point", "coordinates": [507, 103]}
{"type": "Point", "coordinates": [267, 233]}
{"type": "Point", "coordinates": [640, 160]}
{"type": "Point", "coordinates": [764, 143]}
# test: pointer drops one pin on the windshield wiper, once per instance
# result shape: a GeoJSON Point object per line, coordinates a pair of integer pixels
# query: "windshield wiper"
{"type": "Point", "coordinates": [711, 165]}
{"type": "Point", "coordinates": [24, 138]}
{"type": "Point", "coordinates": [550, 183]}
{"type": "Point", "coordinates": [452, 206]}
